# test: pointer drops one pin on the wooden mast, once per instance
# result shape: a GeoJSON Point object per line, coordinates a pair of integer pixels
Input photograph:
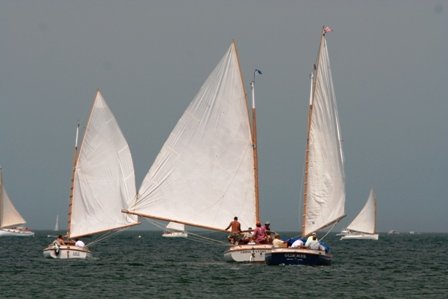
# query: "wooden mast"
{"type": "Point", "coordinates": [253, 134]}
{"type": "Point", "coordinates": [72, 183]}
{"type": "Point", "coordinates": [307, 151]}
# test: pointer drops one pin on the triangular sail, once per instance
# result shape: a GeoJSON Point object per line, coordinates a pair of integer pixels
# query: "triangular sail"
{"type": "Point", "coordinates": [104, 181]}
{"type": "Point", "coordinates": [365, 221]}
{"type": "Point", "coordinates": [9, 216]}
{"type": "Point", "coordinates": [324, 197]}
{"type": "Point", "coordinates": [204, 173]}
{"type": "Point", "coordinates": [174, 226]}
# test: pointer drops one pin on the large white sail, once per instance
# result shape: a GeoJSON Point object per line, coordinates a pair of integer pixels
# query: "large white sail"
{"type": "Point", "coordinates": [204, 173]}
{"type": "Point", "coordinates": [104, 181]}
{"type": "Point", "coordinates": [324, 197]}
{"type": "Point", "coordinates": [365, 221]}
{"type": "Point", "coordinates": [9, 216]}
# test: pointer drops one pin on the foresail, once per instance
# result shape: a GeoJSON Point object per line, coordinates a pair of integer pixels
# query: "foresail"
{"type": "Point", "coordinates": [325, 198]}
{"type": "Point", "coordinates": [9, 216]}
{"type": "Point", "coordinates": [104, 181]}
{"type": "Point", "coordinates": [204, 173]}
{"type": "Point", "coordinates": [365, 220]}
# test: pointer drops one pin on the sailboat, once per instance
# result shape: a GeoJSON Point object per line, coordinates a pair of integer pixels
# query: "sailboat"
{"type": "Point", "coordinates": [364, 224]}
{"type": "Point", "coordinates": [10, 219]}
{"type": "Point", "coordinates": [175, 230]}
{"type": "Point", "coordinates": [56, 225]}
{"type": "Point", "coordinates": [324, 179]}
{"type": "Point", "coordinates": [206, 172]}
{"type": "Point", "coordinates": [102, 184]}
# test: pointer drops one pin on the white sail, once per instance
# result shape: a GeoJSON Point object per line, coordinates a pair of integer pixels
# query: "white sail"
{"type": "Point", "coordinates": [365, 221]}
{"type": "Point", "coordinates": [9, 216]}
{"type": "Point", "coordinates": [104, 182]}
{"type": "Point", "coordinates": [56, 225]}
{"type": "Point", "coordinates": [324, 197]}
{"type": "Point", "coordinates": [174, 226]}
{"type": "Point", "coordinates": [204, 173]}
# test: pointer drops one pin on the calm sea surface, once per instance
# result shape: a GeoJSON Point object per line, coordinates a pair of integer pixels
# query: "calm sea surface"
{"type": "Point", "coordinates": [129, 266]}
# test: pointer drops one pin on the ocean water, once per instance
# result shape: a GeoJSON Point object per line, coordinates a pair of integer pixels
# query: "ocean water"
{"type": "Point", "coordinates": [149, 266]}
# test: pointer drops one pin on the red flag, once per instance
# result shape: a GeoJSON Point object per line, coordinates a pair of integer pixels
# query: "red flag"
{"type": "Point", "coordinates": [327, 29]}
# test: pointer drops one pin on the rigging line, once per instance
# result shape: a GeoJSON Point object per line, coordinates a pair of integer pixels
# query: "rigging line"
{"type": "Point", "coordinates": [196, 237]}
{"type": "Point", "coordinates": [334, 224]}
{"type": "Point", "coordinates": [105, 236]}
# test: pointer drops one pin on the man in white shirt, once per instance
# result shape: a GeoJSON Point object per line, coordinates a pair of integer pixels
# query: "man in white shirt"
{"type": "Point", "coordinates": [79, 243]}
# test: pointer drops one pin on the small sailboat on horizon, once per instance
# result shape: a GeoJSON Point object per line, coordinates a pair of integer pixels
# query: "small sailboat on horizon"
{"type": "Point", "coordinates": [175, 230]}
{"type": "Point", "coordinates": [102, 183]}
{"type": "Point", "coordinates": [324, 178]}
{"type": "Point", "coordinates": [11, 222]}
{"type": "Point", "coordinates": [363, 227]}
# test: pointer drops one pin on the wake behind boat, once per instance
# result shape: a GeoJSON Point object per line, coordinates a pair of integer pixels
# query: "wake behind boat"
{"type": "Point", "coordinates": [324, 179]}
{"type": "Point", "coordinates": [206, 172]}
{"type": "Point", "coordinates": [11, 222]}
{"type": "Point", "coordinates": [363, 227]}
{"type": "Point", "coordinates": [102, 184]}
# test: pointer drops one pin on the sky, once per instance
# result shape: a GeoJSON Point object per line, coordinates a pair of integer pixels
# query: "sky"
{"type": "Point", "coordinates": [149, 58]}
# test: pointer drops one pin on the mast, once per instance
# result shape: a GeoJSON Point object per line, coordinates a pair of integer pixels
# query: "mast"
{"type": "Point", "coordinates": [75, 158]}
{"type": "Point", "coordinates": [307, 151]}
{"type": "Point", "coordinates": [255, 146]}
{"type": "Point", "coordinates": [253, 131]}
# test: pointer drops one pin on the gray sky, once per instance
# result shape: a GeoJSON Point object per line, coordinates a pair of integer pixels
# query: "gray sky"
{"type": "Point", "coordinates": [149, 58]}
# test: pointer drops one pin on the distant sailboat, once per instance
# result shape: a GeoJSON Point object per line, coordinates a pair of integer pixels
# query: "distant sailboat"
{"type": "Point", "coordinates": [175, 230]}
{"type": "Point", "coordinates": [56, 225]}
{"type": "Point", "coordinates": [364, 224]}
{"type": "Point", "coordinates": [324, 180]}
{"type": "Point", "coordinates": [10, 218]}
{"type": "Point", "coordinates": [103, 183]}
{"type": "Point", "coordinates": [206, 172]}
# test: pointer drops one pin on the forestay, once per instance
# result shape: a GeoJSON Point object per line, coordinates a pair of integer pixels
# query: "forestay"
{"type": "Point", "coordinates": [104, 182]}
{"type": "Point", "coordinates": [204, 173]}
{"type": "Point", "coordinates": [325, 198]}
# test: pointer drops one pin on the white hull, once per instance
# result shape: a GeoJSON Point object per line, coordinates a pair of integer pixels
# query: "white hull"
{"type": "Point", "coordinates": [67, 252]}
{"type": "Point", "coordinates": [11, 232]}
{"type": "Point", "coordinates": [360, 236]}
{"type": "Point", "coordinates": [175, 234]}
{"type": "Point", "coordinates": [248, 253]}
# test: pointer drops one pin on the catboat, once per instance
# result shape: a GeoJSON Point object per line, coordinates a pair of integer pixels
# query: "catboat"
{"type": "Point", "coordinates": [11, 222]}
{"type": "Point", "coordinates": [103, 183]}
{"type": "Point", "coordinates": [324, 179]}
{"type": "Point", "coordinates": [363, 227]}
{"type": "Point", "coordinates": [206, 172]}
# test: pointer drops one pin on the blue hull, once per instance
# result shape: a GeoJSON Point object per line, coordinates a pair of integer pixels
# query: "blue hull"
{"type": "Point", "coordinates": [298, 257]}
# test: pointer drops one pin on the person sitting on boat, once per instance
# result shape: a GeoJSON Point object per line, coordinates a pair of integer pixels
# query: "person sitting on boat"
{"type": "Point", "coordinates": [59, 241]}
{"type": "Point", "coordinates": [247, 236]}
{"type": "Point", "coordinates": [79, 243]}
{"type": "Point", "coordinates": [277, 242]}
{"type": "Point", "coordinates": [267, 228]}
{"type": "Point", "coordinates": [235, 231]}
{"type": "Point", "coordinates": [259, 235]}
{"type": "Point", "coordinates": [298, 243]}
{"type": "Point", "coordinates": [312, 242]}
